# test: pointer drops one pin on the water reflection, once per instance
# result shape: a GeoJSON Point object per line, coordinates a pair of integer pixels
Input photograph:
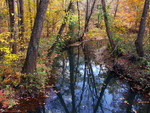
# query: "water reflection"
{"type": "Point", "coordinates": [79, 84]}
{"type": "Point", "coordinates": [86, 87]}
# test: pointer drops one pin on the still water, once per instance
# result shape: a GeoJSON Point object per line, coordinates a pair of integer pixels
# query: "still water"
{"type": "Point", "coordinates": [83, 84]}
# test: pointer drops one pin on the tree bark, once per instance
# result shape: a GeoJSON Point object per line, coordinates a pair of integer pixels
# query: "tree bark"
{"type": "Point", "coordinates": [87, 14]}
{"type": "Point", "coordinates": [12, 14]}
{"type": "Point", "coordinates": [116, 9]}
{"type": "Point", "coordinates": [0, 22]}
{"type": "Point", "coordinates": [139, 40]}
{"type": "Point", "coordinates": [31, 58]}
{"type": "Point", "coordinates": [29, 4]}
{"type": "Point", "coordinates": [107, 25]}
{"type": "Point", "coordinates": [149, 27]}
{"type": "Point", "coordinates": [37, 4]}
{"type": "Point", "coordinates": [71, 24]}
{"type": "Point", "coordinates": [78, 18]}
{"type": "Point", "coordinates": [21, 21]}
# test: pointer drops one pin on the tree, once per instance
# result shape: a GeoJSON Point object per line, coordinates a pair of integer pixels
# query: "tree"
{"type": "Point", "coordinates": [116, 8]}
{"type": "Point", "coordinates": [107, 25]}
{"type": "Point", "coordinates": [139, 40]}
{"type": "Point", "coordinates": [21, 21]}
{"type": "Point", "coordinates": [71, 24]}
{"type": "Point", "coordinates": [0, 22]}
{"type": "Point", "coordinates": [78, 19]}
{"type": "Point", "coordinates": [52, 49]}
{"type": "Point", "coordinates": [87, 13]}
{"type": "Point", "coordinates": [37, 4]}
{"type": "Point", "coordinates": [87, 20]}
{"type": "Point", "coordinates": [29, 4]}
{"type": "Point", "coordinates": [31, 57]}
{"type": "Point", "coordinates": [12, 14]}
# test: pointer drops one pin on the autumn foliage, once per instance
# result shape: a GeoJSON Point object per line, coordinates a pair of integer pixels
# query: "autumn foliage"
{"type": "Point", "coordinates": [124, 27]}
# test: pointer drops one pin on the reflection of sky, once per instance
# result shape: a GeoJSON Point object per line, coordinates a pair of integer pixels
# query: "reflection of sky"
{"type": "Point", "coordinates": [96, 69]}
{"type": "Point", "coordinates": [81, 69]}
{"type": "Point", "coordinates": [113, 98]}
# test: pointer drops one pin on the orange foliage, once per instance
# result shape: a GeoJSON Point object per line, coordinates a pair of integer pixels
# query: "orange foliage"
{"type": "Point", "coordinates": [129, 13]}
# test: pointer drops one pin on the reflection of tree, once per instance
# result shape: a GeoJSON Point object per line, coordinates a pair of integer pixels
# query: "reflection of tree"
{"type": "Point", "coordinates": [90, 73]}
{"type": "Point", "coordinates": [130, 99]}
{"type": "Point", "coordinates": [106, 82]}
{"type": "Point", "coordinates": [83, 87]}
{"type": "Point", "coordinates": [77, 65]}
{"type": "Point", "coordinates": [78, 80]}
{"type": "Point", "coordinates": [93, 78]}
{"type": "Point", "coordinates": [62, 102]}
{"type": "Point", "coordinates": [71, 64]}
{"type": "Point", "coordinates": [63, 70]}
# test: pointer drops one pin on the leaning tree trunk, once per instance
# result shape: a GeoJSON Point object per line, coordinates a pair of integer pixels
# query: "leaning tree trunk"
{"type": "Point", "coordinates": [139, 40]}
{"type": "Point", "coordinates": [107, 25]}
{"type": "Point", "coordinates": [31, 58]}
{"type": "Point", "coordinates": [12, 14]}
{"type": "Point", "coordinates": [116, 9]}
{"type": "Point", "coordinates": [52, 49]}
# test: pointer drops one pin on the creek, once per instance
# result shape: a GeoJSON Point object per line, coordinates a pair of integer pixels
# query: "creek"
{"type": "Point", "coordinates": [81, 83]}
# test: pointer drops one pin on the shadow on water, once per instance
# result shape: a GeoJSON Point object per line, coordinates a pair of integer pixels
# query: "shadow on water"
{"type": "Point", "coordinates": [82, 85]}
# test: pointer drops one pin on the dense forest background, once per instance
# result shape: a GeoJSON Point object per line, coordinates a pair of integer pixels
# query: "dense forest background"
{"type": "Point", "coordinates": [33, 32]}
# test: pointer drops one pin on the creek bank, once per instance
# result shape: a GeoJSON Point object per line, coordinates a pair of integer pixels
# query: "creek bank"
{"type": "Point", "coordinates": [128, 67]}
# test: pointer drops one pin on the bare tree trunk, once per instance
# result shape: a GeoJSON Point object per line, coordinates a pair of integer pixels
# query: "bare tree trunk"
{"type": "Point", "coordinates": [21, 21]}
{"type": "Point", "coordinates": [48, 24]}
{"type": "Point", "coordinates": [1, 16]}
{"type": "Point", "coordinates": [53, 26]}
{"type": "Point", "coordinates": [116, 9]}
{"type": "Point", "coordinates": [149, 28]}
{"type": "Point", "coordinates": [107, 25]}
{"type": "Point", "coordinates": [99, 18]}
{"type": "Point", "coordinates": [12, 14]}
{"type": "Point", "coordinates": [78, 19]}
{"type": "Point", "coordinates": [71, 24]}
{"type": "Point", "coordinates": [87, 14]}
{"type": "Point", "coordinates": [139, 40]}
{"type": "Point", "coordinates": [37, 4]}
{"type": "Point", "coordinates": [31, 58]}
{"type": "Point", "coordinates": [0, 22]}
{"type": "Point", "coordinates": [47, 28]}
{"type": "Point", "coordinates": [29, 4]}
